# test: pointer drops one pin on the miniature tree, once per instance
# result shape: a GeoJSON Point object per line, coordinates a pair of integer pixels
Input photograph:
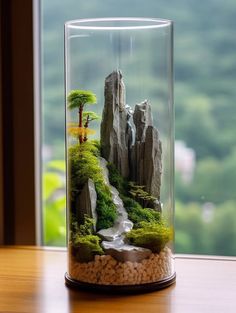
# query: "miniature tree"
{"type": "Point", "coordinates": [87, 118]}
{"type": "Point", "coordinates": [77, 99]}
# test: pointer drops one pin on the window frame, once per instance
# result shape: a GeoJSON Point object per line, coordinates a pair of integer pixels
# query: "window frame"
{"type": "Point", "coordinates": [20, 217]}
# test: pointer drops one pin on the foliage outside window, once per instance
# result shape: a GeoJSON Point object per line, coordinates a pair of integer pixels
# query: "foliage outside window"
{"type": "Point", "coordinates": [205, 94]}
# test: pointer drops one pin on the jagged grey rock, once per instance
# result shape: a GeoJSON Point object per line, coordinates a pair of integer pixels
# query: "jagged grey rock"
{"type": "Point", "coordinates": [86, 202]}
{"type": "Point", "coordinates": [142, 119]}
{"type": "Point", "coordinates": [122, 224]}
{"type": "Point", "coordinates": [146, 153]}
{"type": "Point", "coordinates": [152, 162]}
{"type": "Point", "coordinates": [123, 252]}
{"type": "Point", "coordinates": [131, 129]}
{"type": "Point", "coordinates": [129, 140]}
{"type": "Point", "coordinates": [114, 124]}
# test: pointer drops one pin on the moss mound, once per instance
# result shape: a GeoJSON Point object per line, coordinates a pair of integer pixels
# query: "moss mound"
{"type": "Point", "coordinates": [85, 244]}
{"type": "Point", "coordinates": [84, 164]}
{"type": "Point", "coordinates": [138, 215]}
{"type": "Point", "coordinates": [153, 236]}
{"type": "Point", "coordinates": [86, 247]}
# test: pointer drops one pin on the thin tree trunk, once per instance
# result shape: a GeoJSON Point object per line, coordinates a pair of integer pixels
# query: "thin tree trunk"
{"type": "Point", "coordinates": [86, 126]}
{"type": "Point", "coordinates": [80, 123]}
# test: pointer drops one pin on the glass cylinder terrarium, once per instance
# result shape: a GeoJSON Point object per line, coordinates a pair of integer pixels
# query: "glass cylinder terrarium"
{"type": "Point", "coordinates": [119, 139]}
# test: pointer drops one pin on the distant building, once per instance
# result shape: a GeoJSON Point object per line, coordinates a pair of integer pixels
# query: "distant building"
{"type": "Point", "coordinates": [185, 161]}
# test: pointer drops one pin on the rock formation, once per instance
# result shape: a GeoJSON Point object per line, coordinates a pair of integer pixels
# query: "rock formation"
{"type": "Point", "coordinates": [114, 124]}
{"type": "Point", "coordinates": [129, 140]}
{"type": "Point", "coordinates": [123, 252]}
{"type": "Point", "coordinates": [86, 202]}
{"type": "Point", "coordinates": [146, 167]}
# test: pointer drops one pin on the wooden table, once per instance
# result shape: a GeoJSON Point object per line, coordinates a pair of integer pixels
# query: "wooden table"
{"type": "Point", "coordinates": [32, 280]}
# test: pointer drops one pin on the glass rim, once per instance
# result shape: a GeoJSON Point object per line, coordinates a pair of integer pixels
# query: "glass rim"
{"type": "Point", "coordinates": [93, 23]}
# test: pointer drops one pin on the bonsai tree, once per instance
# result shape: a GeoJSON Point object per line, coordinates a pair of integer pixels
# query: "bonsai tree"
{"type": "Point", "coordinates": [77, 99]}
{"type": "Point", "coordinates": [87, 118]}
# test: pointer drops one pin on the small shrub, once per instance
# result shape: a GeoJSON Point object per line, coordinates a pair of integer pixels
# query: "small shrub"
{"type": "Point", "coordinates": [139, 194]}
{"type": "Point", "coordinates": [86, 247]}
{"type": "Point", "coordinates": [87, 227]}
{"type": "Point", "coordinates": [138, 214]}
{"type": "Point", "coordinates": [153, 236]}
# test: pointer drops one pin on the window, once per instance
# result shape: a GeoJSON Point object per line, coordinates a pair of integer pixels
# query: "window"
{"type": "Point", "coordinates": [205, 71]}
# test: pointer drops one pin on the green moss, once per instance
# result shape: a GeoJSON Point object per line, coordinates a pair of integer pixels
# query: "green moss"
{"type": "Point", "coordinates": [96, 146]}
{"type": "Point", "coordinates": [87, 227]}
{"type": "Point", "coordinates": [130, 203]}
{"type": "Point", "coordinates": [139, 215]}
{"type": "Point", "coordinates": [84, 243]}
{"type": "Point", "coordinates": [84, 164]}
{"type": "Point", "coordinates": [116, 179]}
{"type": "Point", "coordinates": [89, 166]}
{"type": "Point", "coordinates": [86, 247]}
{"type": "Point", "coordinates": [106, 209]}
{"type": "Point", "coordinates": [153, 236]}
{"type": "Point", "coordinates": [136, 212]}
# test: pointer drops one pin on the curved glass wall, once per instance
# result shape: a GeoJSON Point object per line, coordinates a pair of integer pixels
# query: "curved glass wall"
{"type": "Point", "coordinates": [119, 131]}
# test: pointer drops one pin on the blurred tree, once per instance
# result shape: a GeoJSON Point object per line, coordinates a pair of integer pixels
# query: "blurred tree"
{"type": "Point", "coordinates": [54, 204]}
{"type": "Point", "coordinates": [223, 230]}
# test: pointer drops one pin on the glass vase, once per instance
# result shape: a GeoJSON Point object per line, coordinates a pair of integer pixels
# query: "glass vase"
{"type": "Point", "coordinates": [120, 154]}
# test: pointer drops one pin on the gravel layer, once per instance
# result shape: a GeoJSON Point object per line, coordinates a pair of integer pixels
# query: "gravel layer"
{"type": "Point", "coordinates": [108, 271]}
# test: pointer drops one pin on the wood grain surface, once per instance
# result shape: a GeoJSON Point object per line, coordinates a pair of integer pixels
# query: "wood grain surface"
{"type": "Point", "coordinates": [32, 280]}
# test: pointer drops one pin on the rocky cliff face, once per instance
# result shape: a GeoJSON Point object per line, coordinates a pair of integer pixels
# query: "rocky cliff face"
{"type": "Point", "coordinates": [146, 152]}
{"type": "Point", "coordinates": [114, 124]}
{"type": "Point", "coordinates": [128, 138]}
{"type": "Point", "coordinates": [87, 201]}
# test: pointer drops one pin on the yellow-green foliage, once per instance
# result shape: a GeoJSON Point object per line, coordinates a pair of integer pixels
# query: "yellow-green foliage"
{"type": "Point", "coordinates": [87, 227]}
{"type": "Point", "coordinates": [86, 247]}
{"type": "Point", "coordinates": [84, 164]}
{"type": "Point", "coordinates": [89, 116]}
{"type": "Point", "coordinates": [153, 236]}
{"type": "Point", "coordinates": [84, 243]}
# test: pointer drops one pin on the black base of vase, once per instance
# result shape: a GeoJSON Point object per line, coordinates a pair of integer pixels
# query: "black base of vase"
{"type": "Point", "coordinates": [120, 289]}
